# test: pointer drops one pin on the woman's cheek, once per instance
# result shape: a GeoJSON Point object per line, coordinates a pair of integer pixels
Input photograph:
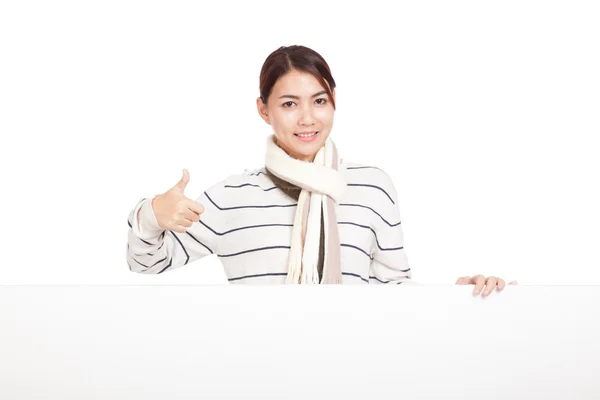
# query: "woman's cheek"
{"type": "Point", "coordinates": [324, 115]}
{"type": "Point", "coordinates": [290, 122]}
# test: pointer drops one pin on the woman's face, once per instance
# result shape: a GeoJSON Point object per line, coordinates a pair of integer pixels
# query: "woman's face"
{"type": "Point", "coordinates": [298, 104]}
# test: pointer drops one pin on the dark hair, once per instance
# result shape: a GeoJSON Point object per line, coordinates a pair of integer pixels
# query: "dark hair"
{"type": "Point", "coordinates": [301, 58]}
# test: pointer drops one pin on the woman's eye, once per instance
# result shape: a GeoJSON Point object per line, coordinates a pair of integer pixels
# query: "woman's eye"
{"type": "Point", "coordinates": [320, 101]}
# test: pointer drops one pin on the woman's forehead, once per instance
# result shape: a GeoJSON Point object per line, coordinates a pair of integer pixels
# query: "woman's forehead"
{"type": "Point", "coordinates": [298, 82]}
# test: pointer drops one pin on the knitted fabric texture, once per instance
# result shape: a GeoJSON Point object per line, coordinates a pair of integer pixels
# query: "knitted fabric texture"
{"type": "Point", "coordinates": [318, 187]}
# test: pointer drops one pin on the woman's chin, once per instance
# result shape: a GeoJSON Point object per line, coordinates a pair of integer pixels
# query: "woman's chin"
{"type": "Point", "coordinates": [307, 152]}
{"type": "Point", "coordinates": [303, 149]}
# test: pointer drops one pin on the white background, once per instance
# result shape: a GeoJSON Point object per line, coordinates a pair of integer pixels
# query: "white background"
{"type": "Point", "coordinates": [485, 114]}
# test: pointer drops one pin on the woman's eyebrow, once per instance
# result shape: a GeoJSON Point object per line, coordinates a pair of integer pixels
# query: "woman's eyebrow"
{"type": "Point", "coordinates": [291, 96]}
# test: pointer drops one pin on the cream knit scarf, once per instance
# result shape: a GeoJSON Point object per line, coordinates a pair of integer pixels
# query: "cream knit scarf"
{"type": "Point", "coordinates": [322, 187]}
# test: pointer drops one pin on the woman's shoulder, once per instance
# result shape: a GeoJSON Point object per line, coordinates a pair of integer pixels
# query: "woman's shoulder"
{"type": "Point", "coordinates": [239, 191]}
{"type": "Point", "coordinates": [351, 168]}
{"type": "Point", "coordinates": [355, 174]}
{"type": "Point", "coordinates": [249, 177]}
{"type": "Point", "coordinates": [368, 175]}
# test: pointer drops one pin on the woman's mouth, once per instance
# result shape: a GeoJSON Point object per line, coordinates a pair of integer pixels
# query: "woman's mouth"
{"type": "Point", "coordinates": [306, 137]}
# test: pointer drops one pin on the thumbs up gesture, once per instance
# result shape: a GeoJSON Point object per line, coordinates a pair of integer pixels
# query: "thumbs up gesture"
{"type": "Point", "coordinates": [173, 210]}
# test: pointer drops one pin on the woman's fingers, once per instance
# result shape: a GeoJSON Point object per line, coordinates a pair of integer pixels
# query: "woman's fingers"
{"type": "Point", "coordinates": [186, 215]}
{"type": "Point", "coordinates": [189, 209]}
{"type": "Point", "coordinates": [501, 284]}
{"type": "Point", "coordinates": [479, 282]}
{"type": "Point", "coordinates": [180, 223]}
{"type": "Point", "coordinates": [191, 216]}
{"type": "Point", "coordinates": [490, 285]}
{"type": "Point", "coordinates": [196, 208]}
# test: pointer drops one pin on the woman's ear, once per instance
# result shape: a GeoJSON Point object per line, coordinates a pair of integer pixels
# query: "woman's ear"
{"type": "Point", "coordinates": [262, 110]}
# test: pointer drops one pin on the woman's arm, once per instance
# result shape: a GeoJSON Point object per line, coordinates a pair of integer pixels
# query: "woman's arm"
{"type": "Point", "coordinates": [389, 263]}
{"type": "Point", "coordinates": [153, 250]}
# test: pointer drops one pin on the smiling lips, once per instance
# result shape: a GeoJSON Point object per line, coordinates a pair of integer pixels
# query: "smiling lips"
{"type": "Point", "coordinates": [306, 136]}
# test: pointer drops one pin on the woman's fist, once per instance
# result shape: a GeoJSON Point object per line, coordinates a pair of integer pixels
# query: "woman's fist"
{"type": "Point", "coordinates": [173, 210]}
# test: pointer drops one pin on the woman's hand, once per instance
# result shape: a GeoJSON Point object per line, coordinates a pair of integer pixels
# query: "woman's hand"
{"type": "Point", "coordinates": [480, 281]}
{"type": "Point", "coordinates": [173, 210]}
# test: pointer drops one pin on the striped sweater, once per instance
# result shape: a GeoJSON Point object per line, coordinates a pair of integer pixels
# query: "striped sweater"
{"type": "Point", "coordinates": [248, 221]}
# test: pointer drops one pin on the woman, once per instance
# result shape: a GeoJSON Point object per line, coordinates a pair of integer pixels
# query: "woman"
{"type": "Point", "coordinates": [307, 216]}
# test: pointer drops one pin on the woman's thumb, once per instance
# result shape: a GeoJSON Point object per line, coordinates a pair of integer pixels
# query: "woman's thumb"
{"type": "Point", "coordinates": [184, 180]}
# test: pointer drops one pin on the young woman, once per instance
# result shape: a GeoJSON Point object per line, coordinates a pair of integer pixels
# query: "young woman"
{"type": "Point", "coordinates": [306, 217]}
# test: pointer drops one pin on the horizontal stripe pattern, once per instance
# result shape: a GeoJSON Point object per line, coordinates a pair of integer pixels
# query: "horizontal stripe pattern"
{"type": "Point", "coordinates": [247, 224]}
{"type": "Point", "coordinates": [357, 185]}
{"type": "Point", "coordinates": [364, 185]}
{"type": "Point", "coordinates": [253, 250]}
{"type": "Point", "coordinates": [247, 206]}
{"type": "Point", "coordinates": [374, 234]}
{"type": "Point", "coordinates": [284, 274]}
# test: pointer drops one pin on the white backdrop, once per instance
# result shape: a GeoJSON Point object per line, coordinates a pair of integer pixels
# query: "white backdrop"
{"type": "Point", "coordinates": [486, 115]}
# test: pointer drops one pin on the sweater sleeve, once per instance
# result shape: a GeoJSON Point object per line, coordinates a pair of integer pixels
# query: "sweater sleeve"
{"type": "Point", "coordinates": [389, 263]}
{"type": "Point", "coordinates": [152, 250]}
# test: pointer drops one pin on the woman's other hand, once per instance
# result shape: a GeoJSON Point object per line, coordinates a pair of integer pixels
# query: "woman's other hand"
{"type": "Point", "coordinates": [480, 281]}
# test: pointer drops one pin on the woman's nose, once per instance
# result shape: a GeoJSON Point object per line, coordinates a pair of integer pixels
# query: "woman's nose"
{"type": "Point", "coordinates": [306, 116]}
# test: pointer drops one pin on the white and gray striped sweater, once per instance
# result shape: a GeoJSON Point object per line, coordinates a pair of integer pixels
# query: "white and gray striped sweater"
{"type": "Point", "coordinates": [247, 223]}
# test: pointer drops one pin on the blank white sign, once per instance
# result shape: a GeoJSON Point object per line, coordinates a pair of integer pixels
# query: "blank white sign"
{"type": "Point", "coordinates": [291, 342]}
